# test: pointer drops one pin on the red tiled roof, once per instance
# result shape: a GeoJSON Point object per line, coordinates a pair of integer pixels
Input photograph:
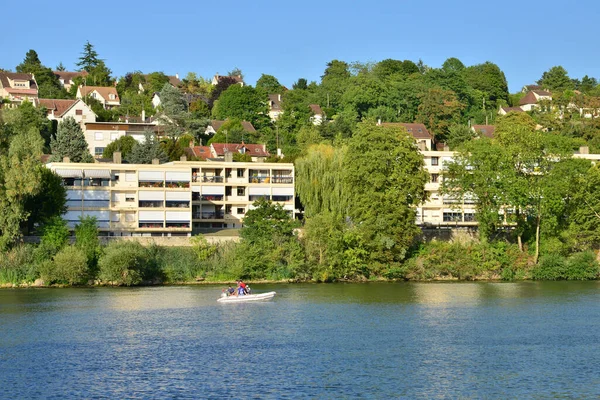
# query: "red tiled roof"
{"type": "Point", "coordinates": [104, 91]}
{"type": "Point", "coordinates": [418, 131]}
{"type": "Point", "coordinates": [316, 109]}
{"type": "Point", "coordinates": [202, 152]}
{"type": "Point", "coordinates": [486, 130]}
{"type": "Point", "coordinates": [255, 150]}
{"type": "Point", "coordinates": [529, 98]}
{"type": "Point", "coordinates": [59, 106]}
{"type": "Point", "coordinates": [216, 124]}
{"type": "Point", "coordinates": [542, 92]}
{"type": "Point", "coordinates": [21, 91]}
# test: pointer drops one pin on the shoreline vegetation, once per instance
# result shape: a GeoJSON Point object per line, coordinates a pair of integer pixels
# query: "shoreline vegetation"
{"type": "Point", "coordinates": [128, 263]}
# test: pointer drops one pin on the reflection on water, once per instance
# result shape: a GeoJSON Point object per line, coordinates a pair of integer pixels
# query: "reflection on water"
{"type": "Point", "coordinates": [374, 340]}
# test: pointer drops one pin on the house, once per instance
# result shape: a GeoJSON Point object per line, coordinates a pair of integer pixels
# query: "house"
{"type": "Point", "coordinates": [215, 125]}
{"type": "Point", "coordinates": [419, 132]}
{"type": "Point", "coordinates": [217, 78]}
{"type": "Point", "coordinates": [98, 135]}
{"type": "Point", "coordinates": [484, 130]}
{"type": "Point", "coordinates": [506, 110]}
{"type": "Point", "coordinates": [57, 109]}
{"type": "Point", "coordinates": [189, 98]}
{"type": "Point", "coordinates": [18, 87]}
{"type": "Point", "coordinates": [66, 78]}
{"type": "Point", "coordinates": [106, 95]}
{"type": "Point", "coordinates": [173, 81]}
{"type": "Point", "coordinates": [318, 116]}
{"type": "Point", "coordinates": [199, 152]}
{"type": "Point", "coordinates": [258, 152]}
{"type": "Point", "coordinates": [275, 109]}
{"type": "Point", "coordinates": [532, 98]}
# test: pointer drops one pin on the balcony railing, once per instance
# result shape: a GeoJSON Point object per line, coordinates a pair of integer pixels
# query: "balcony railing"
{"type": "Point", "coordinates": [259, 179]}
{"type": "Point", "coordinates": [149, 184]}
{"type": "Point", "coordinates": [212, 197]}
{"type": "Point", "coordinates": [208, 215]}
{"type": "Point", "coordinates": [282, 179]}
{"type": "Point", "coordinates": [174, 185]}
{"type": "Point", "coordinates": [211, 179]}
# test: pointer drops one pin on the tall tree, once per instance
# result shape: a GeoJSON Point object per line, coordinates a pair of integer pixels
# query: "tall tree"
{"type": "Point", "coordinates": [144, 153]}
{"type": "Point", "coordinates": [438, 110]}
{"type": "Point", "coordinates": [99, 74]}
{"type": "Point", "coordinates": [48, 84]}
{"type": "Point", "coordinates": [556, 78]}
{"type": "Point", "coordinates": [269, 84]}
{"type": "Point", "coordinates": [384, 180]}
{"type": "Point", "coordinates": [89, 58]}
{"type": "Point", "coordinates": [244, 103]}
{"type": "Point", "coordinates": [48, 202]}
{"type": "Point", "coordinates": [70, 142]}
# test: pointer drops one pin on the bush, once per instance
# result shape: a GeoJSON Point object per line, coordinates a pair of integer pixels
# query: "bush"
{"type": "Point", "coordinates": [179, 264]}
{"type": "Point", "coordinates": [55, 234]}
{"type": "Point", "coordinates": [70, 266]}
{"type": "Point", "coordinates": [18, 265]}
{"type": "Point", "coordinates": [582, 266]}
{"type": "Point", "coordinates": [126, 263]}
{"type": "Point", "coordinates": [552, 267]}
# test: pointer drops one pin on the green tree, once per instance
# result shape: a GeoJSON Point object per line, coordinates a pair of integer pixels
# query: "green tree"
{"type": "Point", "coordinates": [584, 216]}
{"type": "Point", "coordinates": [489, 79]}
{"type": "Point", "coordinates": [300, 84]}
{"type": "Point", "coordinates": [384, 180]}
{"type": "Point", "coordinates": [70, 266]}
{"type": "Point", "coordinates": [124, 144]}
{"type": "Point", "coordinates": [55, 234]}
{"type": "Point", "coordinates": [48, 84]}
{"type": "Point", "coordinates": [70, 142]}
{"type": "Point", "coordinates": [144, 153]}
{"type": "Point", "coordinates": [86, 239]}
{"type": "Point", "coordinates": [438, 110]}
{"type": "Point", "coordinates": [453, 65]}
{"type": "Point", "coordinates": [243, 103]}
{"type": "Point", "coordinates": [89, 58]}
{"type": "Point", "coordinates": [98, 72]}
{"type": "Point", "coordinates": [556, 78]}
{"type": "Point", "coordinates": [459, 134]}
{"type": "Point", "coordinates": [126, 263]}
{"type": "Point", "coordinates": [269, 84]}
{"type": "Point", "coordinates": [49, 201]}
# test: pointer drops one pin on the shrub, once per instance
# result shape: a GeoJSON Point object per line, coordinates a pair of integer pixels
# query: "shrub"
{"type": "Point", "coordinates": [551, 267]}
{"type": "Point", "coordinates": [126, 263]}
{"type": "Point", "coordinates": [70, 266]}
{"type": "Point", "coordinates": [18, 265]}
{"type": "Point", "coordinates": [582, 266]}
{"type": "Point", "coordinates": [179, 264]}
{"type": "Point", "coordinates": [86, 239]}
{"type": "Point", "coordinates": [55, 234]}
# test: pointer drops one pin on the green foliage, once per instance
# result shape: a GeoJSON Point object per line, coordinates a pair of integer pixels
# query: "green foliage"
{"type": "Point", "coordinates": [19, 265]}
{"type": "Point", "coordinates": [70, 266]}
{"type": "Point", "coordinates": [244, 103]}
{"type": "Point", "coordinates": [98, 72]}
{"type": "Point", "coordinates": [49, 201]}
{"type": "Point", "coordinates": [556, 78]}
{"type": "Point", "coordinates": [70, 142]}
{"type": "Point", "coordinates": [180, 264]}
{"type": "Point", "coordinates": [49, 86]}
{"type": "Point", "coordinates": [144, 153]}
{"type": "Point", "coordinates": [124, 144]}
{"type": "Point", "coordinates": [459, 134]}
{"type": "Point", "coordinates": [269, 84]}
{"type": "Point", "coordinates": [126, 264]}
{"type": "Point", "coordinates": [55, 234]}
{"type": "Point", "coordinates": [86, 239]}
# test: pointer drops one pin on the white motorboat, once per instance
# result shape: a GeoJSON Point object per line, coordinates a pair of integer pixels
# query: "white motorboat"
{"type": "Point", "coordinates": [247, 297]}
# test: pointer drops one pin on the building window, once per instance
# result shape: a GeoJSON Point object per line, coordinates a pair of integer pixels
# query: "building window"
{"type": "Point", "coordinates": [130, 198]}
{"type": "Point", "coordinates": [241, 211]}
{"type": "Point", "coordinates": [434, 160]}
{"type": "Point", "coordinates": [452, 217]}
{"type": "Point", "coordinates": [98, 151]}
{"type": "Point", "coordinates": [241, 191]}
{"type": "Point", "coordinates": [240, 173]}
{"type": "Point", "coordinates": [114, 136]}
{"type": "Point", "coordinates": [78, 112]}
{"type": "Point", "coordinates": [111, 96]}
{"type": "Point", "coordinates": [434, 178]}
{"type": "Point", "coordinates": [99, 136]}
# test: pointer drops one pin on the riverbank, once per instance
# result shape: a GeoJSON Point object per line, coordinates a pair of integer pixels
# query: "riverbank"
{"type": "Point", "coordinates": [128, 263]}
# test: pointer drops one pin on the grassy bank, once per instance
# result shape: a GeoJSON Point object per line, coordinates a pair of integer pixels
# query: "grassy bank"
{"type": "Point", "coordinates": [130, 263]}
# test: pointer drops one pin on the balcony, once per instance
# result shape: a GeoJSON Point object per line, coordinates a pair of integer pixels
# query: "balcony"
{"type": "Point", "coordinates": [259, 179]}
{"type": "Point", "coordinates": [212, 197]}
{"type": "Point", "coordinates": [174, 185]}
{"type": "Point", "coordinates": [282, 179]}
{"type": "Point", "coordinates": [177, 204]}
{"type": "Point", "coordinates": [150, 204]}
{"type": "Point", "coordinates": [208, 215]}
{"type": "Point", "coordinates": [211, 179]}
{"type": "Point", "coordinates": [152, 184]}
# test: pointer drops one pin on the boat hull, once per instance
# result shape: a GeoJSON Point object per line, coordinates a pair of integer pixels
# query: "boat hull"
{"type": "Point", "coordinates": [247, 298]}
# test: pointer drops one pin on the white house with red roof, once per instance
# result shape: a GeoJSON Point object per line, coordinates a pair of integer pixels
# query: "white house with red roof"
{"type": "Point", "coordinates": [66, 78]}
{"type": "Point", "coordinates": [106, 95]}
{"type": "Point", "coordinates": [57, 109]}
{"type": "Point", "coordinates": [419, 132]}
{"type": "Point", "coordinates": [18, 87]}
{"type": "Point", "coordinates": [317, 115]}
{"type": "Point", "coordinates": [258, 152]}
{"type": "Point", "coordinates": [533, 97]}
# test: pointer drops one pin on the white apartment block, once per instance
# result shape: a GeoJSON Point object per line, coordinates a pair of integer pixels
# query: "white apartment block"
{"type": "Point", "coordinates": [172, 199]}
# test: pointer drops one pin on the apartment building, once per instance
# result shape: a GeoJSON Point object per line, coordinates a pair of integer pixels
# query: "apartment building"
{"type": "Point", "coordinates": [98, 135]}
{"type": "Point", "coordinates": [173, 199]}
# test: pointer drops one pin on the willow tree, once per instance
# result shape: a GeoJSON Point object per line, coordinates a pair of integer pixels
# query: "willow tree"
{"type": "Point", "coordinates": [384, 180]}
{"type": "Point", "coordinates": [319, 180]}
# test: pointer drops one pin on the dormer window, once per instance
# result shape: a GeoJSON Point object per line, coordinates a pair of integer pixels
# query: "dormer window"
{"type": "Point", "coordinates": [111, 96]}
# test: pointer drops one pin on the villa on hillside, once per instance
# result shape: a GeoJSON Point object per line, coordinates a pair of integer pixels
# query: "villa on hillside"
{"type": "Point", "coordinates": [18, 87]}
{"type": "Point", "coordinates": [106, 95]}
{"type": "Point", "coordinates": [57, 109]}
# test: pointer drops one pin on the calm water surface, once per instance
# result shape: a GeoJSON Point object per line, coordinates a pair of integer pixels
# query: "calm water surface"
{"type": "Point", "coordinates": [376, 340]}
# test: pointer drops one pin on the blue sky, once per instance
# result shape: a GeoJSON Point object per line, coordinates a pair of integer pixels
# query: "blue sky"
{"type": "Point", "coordinates": [296, 39]}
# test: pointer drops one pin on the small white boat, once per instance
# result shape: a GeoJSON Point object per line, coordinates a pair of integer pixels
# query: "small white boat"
{"type": "Point", "coordinates": [247, 297]}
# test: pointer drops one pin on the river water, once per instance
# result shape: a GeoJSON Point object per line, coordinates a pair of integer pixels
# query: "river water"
{"type": "Point", "coordinates": [373, 340]}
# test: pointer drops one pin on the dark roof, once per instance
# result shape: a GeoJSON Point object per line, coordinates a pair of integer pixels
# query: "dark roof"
{"type": "Point", "coordinates": [512, 109]}
{"type": "Point", "coordinates": [529, 98]}
{"type": "Point", "coordinates": [254, 150]}
{"type": "Point", "coordinates": [275, 102]}
{"type": "Point", "coordinates": [316, 109]}
{"type": "Point", "coordinates": [216, 124]}
{"type": "Point", "coordinates": [533, 87]}
{"type": "Point", "coordinates": [542, 92]}
{"type": "Point", "coordinates": [59, 106]}
{"type": "Point", "coordinates": [418, 131]}
{"type": "Point", "coordinates": [20, 76]}
{"type": "Point", "coordinates": [486, 130]}
{"type": "Point", "coordinates": [68, 76]}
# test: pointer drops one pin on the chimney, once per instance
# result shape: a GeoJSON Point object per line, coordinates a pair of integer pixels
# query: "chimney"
{"type": "Point", "coordinates": [143, 115]}
{"type": "Point", "coordinates": [66, 160]}
{"type": "Point", "coordinates": [584, 150]}
{"type": "Point", "coordinates": [117, 157]}
{"type": "Point", "coordinates": [228, 156]}
{"type": "Point", "coordinates": [183, 158]}
{"type": "Point", "coordinates": [279, 153]}
{"type": "Point", "coordinates": [279, 97]}
{"type": "Point", "coordinates": [155, 161]}
{"type": "Point", "coordinates": [446, 147]}
{"type": "Point", "coordinates": [177, 76]}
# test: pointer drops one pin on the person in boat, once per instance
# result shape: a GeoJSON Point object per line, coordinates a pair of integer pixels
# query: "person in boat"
{"type": "Point", "coordinates": [241, 290]}
{"type": "Point", "coordinates": [230, 291]}
{"type": "Point", "coordinates": [243, 285]}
